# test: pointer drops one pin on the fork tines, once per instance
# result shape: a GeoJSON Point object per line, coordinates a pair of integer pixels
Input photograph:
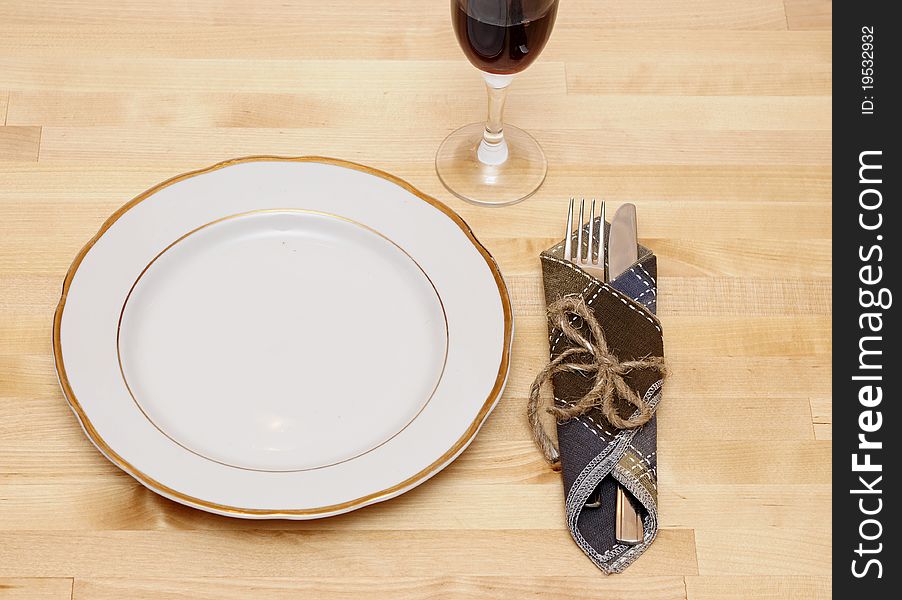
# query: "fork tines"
{"type": "Point", "coordinates": [593, 253]}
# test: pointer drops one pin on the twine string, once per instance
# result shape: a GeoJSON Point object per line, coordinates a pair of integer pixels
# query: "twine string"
{"type": "Point", "coordinates": [589, 356]}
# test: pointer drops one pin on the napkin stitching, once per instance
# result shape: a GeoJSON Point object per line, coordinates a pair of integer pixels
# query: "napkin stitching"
{"type": "Point", "coordinates": [629, 302]}
{"type": "Point", "coordinates": [650, 399]}
{"type": "Point", "coordinates": [640, 278]}
{"type": "Point", "coordinates": [590, 428]}
{"type": "Point", "coordinates": [586, 481]}
{"type": "Point", "coordinates": [615, 444]}
{"type": "Point", "coordinates": [589, 303]}
{"type": "Point", "coordinates": [647, 273]}
{"type": "Point", "coordinates": [573, 318]}
{"type": "Point", "coordinates": [651, 470]}
{"type": "Point", "coordinates": [651, 289]}
{"type": "Point", "coordinates": [648, 291]}
{"type": "Point", "coordinates": [596, 423]}
{"type": "Point", "coordinates": [631, 553]}
{"type": "Point", "coordinates": [588, 416]}
{"type": "Point", "coordinates": [644, 459]}
{"type": "Point", "coordinates": [590, 472]}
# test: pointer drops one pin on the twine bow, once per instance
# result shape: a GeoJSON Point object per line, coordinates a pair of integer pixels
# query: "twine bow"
{"type": "Point", "coordinates": [609, 385]}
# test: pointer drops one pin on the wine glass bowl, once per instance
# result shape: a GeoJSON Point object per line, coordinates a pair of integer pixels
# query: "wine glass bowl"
{"type": "Point", "coordinates": [503, 36]}
{"type": "Point", "coordinates": [491, 163]}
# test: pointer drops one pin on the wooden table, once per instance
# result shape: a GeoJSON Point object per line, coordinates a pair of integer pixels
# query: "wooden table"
{"type": "Point", "coordinates": [712, 115]}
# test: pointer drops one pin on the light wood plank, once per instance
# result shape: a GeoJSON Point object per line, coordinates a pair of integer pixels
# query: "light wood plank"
{"type": "Point", "coordinates": [617, 14]}
{"type": "Point", "coordinates": [822, 417]}
{"type": "Point", "coordinates": [256, 75]}
{"type": "Point", "coordinates": [308, 39]}
{"type": "Point", "coordinates": [680, 48]}
{"type": "Point", "coordinates": [759, 588]}
{"type": "Point", "coordinates": [736, 63]}
{"type": "Point", "coordinates": [112, 501]}
{"type": "Point", "coordinates": [699, 296]}
{"type": "Point", "coordinates": [753, 418]}
{"type": "Point", "coordinates": [300, 110]}
{"type": "Point", "coordinates": [400, 588]}
{"type": "Point", "coordinates": [668, 76]}
{"type": "Point", "coordinates": [493, 460]}
{"type": "Point", "coordinates": [767, 552]}
{"type": "Point", "coordinates": [580, 149]}
{"type": "Point", "coordinates": [743, 462]}
{"type": "Point", "coordinates": [4, 104]}
{"type": "Point", "coordinates": [809, 14]}
{"type": "Point", "coordinates": [728, 296]}
{"type": "Point", "coordinates": [35, 588]}
{"type": "Point", "coordinates": [823, 432]}
{"type": "Point", "coordinates": [677, 14]}
{"type": "Point", "coordinates": [20, 144]}
{"type": "Point", "coordinates": [113, 182]}
{"type": "Point", "coordinates": [808, 258]}
{"type": "Point", "coordinates": [720, 507]}
{"type": "Point", "coordinates": [322, 554]}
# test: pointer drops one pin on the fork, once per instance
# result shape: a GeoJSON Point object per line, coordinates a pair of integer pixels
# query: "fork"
{"type": "Point", "coordinates": [593, 261]}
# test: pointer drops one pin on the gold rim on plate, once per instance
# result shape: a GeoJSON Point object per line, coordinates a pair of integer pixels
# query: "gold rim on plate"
{"type": "Point", "coordinates": [374, 497]}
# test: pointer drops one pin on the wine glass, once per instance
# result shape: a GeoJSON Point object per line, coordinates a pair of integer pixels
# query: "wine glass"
{"type": "Point", "coordinates": [491, 163]}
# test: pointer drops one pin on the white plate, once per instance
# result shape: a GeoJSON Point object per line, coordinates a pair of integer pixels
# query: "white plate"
{"type": "Point", "coordinates": [288, 338]}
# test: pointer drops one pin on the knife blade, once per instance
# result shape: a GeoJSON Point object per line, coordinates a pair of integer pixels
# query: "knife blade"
{"type": "Point", "coordinates": [623, 252]}
{"type": "Point", "coordinates": [623, 241]}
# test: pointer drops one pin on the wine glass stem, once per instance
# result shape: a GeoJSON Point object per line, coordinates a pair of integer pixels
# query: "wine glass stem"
{"type": "Point", "coordinates": [493, 147]}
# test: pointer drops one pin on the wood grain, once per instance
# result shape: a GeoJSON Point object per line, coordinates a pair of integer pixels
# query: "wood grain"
{"type": "Point", "coordinates": [36, 588]}
{"type": "Point", "coordinates": [311, 110]}
{"type": "Point", "coordinates": [580, 149]}
{"type": "Point", "coordinates": [765, 551]}
{"type": "Point", "coordinates": [20, 144]}
{"type": "Point", "coordinates": [809, 14]}
{"type": "Point", "coordinates": [400, 588]}
{"type": "Point", "coordinates": [318, 553]}
{"type": "Point", "coordinates": [822, 416]}
{"type": "Point", "coordinates": [714, 116]}
{"type": "Point", "coordinates": [758, 588]}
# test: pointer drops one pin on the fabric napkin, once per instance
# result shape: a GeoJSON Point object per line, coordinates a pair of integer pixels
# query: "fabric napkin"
{"type": "Point", "coordinates": [594, 454]}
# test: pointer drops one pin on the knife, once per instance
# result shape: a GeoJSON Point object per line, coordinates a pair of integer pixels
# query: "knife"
{"type": "Point", "coordinates": [623, 252]}
{"type": "Point", "coordinates": [623, 242]}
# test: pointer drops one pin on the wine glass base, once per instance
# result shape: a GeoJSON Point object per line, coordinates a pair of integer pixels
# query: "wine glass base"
{"type": "Point", "coordinates": [469, 179]}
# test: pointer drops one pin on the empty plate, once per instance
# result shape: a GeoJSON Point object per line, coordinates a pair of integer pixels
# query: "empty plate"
{"type": "Point", "coordinates": [287, 338]}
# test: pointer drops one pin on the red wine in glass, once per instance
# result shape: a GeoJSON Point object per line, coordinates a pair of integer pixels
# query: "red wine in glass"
{"type": "Point", "coordinates": [503, 36]}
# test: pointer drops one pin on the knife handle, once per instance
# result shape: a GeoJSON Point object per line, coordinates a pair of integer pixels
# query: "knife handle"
{"type": "Point", "coordinates": [629, 529]}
